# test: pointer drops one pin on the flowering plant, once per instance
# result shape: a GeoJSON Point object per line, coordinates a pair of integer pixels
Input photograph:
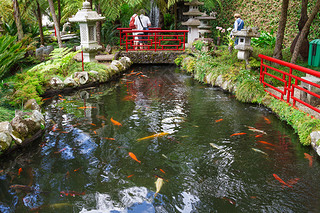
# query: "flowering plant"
{"type": "Point", "coordinates": [229, 38]}
{"type": "Point", "coordinates": [220, 30]}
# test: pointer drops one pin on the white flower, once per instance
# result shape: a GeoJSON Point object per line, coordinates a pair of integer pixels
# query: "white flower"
{"type": "Point", "coordinates": [229, 29]}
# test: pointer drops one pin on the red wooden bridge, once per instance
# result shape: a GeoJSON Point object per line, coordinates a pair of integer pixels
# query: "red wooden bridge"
{"type": "Point", "coordinates": [154, 40]}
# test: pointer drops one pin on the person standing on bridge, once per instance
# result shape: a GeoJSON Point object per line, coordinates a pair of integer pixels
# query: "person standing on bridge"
{"type": "Point", "coordinates": [237, 26]}
{"type": "Point", "coordinates": [142, 22]}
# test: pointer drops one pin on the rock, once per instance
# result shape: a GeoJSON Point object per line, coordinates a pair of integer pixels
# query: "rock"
{"type": "Point", "coordinates": [93, 76]}
{"type": "Point", "coordinates": [81, 77]}
{"type": "Point", "coordinates": [19, 125]}
{"type": "Point", "coordinates": [56, 83]}
{"type": "Point", "coordinates": [126, 62]}
{"type": "Point", "coordinates": [113, 68]}
{"type": "Point", "coordinates": [69, 82]}
{"type": "Point", "coordinates": [219, 81]}
{"type": "Point", "coordinates": [315, 137]}
{"type": "Point", "coordinates": [32, 104]}
{"type": "Point", "coordinates": [5, 141]}
{"type": "Point", "coordinates": [38, 117]}
{"type": "Point", "coordinates": [118, 64]}
{"type": "Point", "coordinates": [5, 127]}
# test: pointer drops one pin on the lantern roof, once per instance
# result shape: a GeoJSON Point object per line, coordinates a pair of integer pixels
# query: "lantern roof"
{"type": "Point", "coordinates": [191, 22]}
{"type": "Point", "coordinates": [193, 12]}
{"type": "Point", "coordinates": [206, 17]}
{"type": "Point", "coordinates": [194, 3]}
{"type": "Point", "coordinates": [86, 14]}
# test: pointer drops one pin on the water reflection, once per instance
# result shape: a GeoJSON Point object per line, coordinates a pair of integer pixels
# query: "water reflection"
{"type": "Point", "coordinates": [83, 162]}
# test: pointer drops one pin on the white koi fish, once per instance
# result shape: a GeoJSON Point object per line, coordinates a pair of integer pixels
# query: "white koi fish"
{"type": "Point", "coordinates": [159, 184]}
{"type": "Point", "coordinates": [258, 150]}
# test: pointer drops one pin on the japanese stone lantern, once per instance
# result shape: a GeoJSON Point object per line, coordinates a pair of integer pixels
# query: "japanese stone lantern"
{"type": "Point", "coordinates": [192, 22]}
{"type": "Point", "coordinates": [87, 19]}
{"type": "Point", "coordinates": [244, 43]}
{"type": "Point", "coordinates": [204, 25]}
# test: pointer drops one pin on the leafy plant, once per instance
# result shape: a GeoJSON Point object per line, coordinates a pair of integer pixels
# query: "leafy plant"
{"type": "Point", "coordinates": [11, 52]}
{"type": "Point", "coordinates": [266, 40]}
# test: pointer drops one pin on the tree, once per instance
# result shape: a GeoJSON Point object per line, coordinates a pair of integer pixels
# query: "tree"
{"type": "Point", "coordinates": [277, 53]}
{"type": "Point", "coordinates": [55, 20]}
{"type": "Point", "coordinates": [304, 32]}
{"type": "Point", "coordinates": [39, 18]}
{"type": "Point", "coordinates": [17, 18]}
{"type": "Point", "coordinates": [304, 51]}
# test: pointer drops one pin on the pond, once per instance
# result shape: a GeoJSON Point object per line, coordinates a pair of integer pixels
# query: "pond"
{"type": "Point", "coordinates": [156, 140]}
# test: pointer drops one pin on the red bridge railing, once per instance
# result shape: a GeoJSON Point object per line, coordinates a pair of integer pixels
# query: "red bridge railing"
{"type": "Point", "coordinates": [155, 40]}
{"type": "Point", "coordinates": [290, 82]}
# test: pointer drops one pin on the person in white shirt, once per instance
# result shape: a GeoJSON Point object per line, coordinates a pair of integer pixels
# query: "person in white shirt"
{"type": "Point", "coordinates": [142, 22]}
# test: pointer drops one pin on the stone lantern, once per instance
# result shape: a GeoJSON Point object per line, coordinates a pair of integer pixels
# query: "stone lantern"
{"type": "Point", "coordinates": [87, 19]}
{"type": "Point", "coordinates": [204, 25]}
{"type": "Point", "coordinates": [244, 42]}
{"type": "Point", "coordinates": [193, 23]}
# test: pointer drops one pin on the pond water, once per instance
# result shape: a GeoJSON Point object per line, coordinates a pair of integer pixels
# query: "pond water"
{"type": "Point", "coordinates": [96, 155]}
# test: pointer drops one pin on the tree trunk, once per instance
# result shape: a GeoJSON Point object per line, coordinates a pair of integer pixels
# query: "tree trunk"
{"type": "Point", "coordinates": [59, 13]}
{"type": "Point", "coordinates": [304, 52]}
{"type": "Point", "coordinates": [90, 1]}
{"type": "Point", "coordinates": [55, 20]}
{"type": "Point", "coordinates": [175, 15]}
{"type": "Point", "coordinates": [98, 25]}
{"type": "Point", "coordinates": [277, 53]}
{"type": "Point", "coordinates": [39, 18]}
{"type": "Point", "coordinates": [304, 32]}
{"type": "Point", "coordinates": [17, 19]}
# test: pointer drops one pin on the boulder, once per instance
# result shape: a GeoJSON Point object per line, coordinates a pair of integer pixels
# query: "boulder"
{"type": "Point", "coordinates": [5, 141]}
{"type": "Point", "coordinates": [32, 104]}
{"type": "Point", "coordinates": [93, 76]}
{"type": "Point", "coordinates": [126, 62]}
{"type": "Point", "coordinates": [81, 77]}
{"type": "Point", "coordinates": [19, 125]}
{"type": "Point", "coordinates": [69, 82]}
{"type": "Point", "coordinates": [56, 83]}
{"type": "Point", "coordinates": [5, 127]}
{"type": "Point", "coordinates": [118, 64]}
{"type": "Point", "coordinates": [114, 69]}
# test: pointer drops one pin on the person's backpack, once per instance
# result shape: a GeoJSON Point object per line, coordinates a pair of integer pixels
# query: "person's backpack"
{"type": "Point", "coordinates": [131, 24]}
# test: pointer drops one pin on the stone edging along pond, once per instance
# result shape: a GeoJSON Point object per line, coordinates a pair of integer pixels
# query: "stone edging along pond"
{"type": "Point", "coordinates": [306, 127]}
{"type": "Point", "coordinates": [29, 125]}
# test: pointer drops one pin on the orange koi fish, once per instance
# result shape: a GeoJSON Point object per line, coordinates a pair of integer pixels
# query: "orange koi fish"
{"type": "Point", "coordinates": [162, 171]}
{"type": "Point", "coordinates": [219, 120]}
{"type": "Point", "coordinates": [280, 180]}
{"type": "Point", "coordinates": [264, 142]}
{"type": "Point", "coordinates": [269, 148]}
{"type": "Point", "coordinates": [267, 120]}
{"type": "Point", "coordinates": [19, 171]}
{"type": "Point", "coordinates": [92, 124]}
{"type": "Point", "coordinates": [62, 99]}
{"type": "Point", "coordinates": [241, 133]}
{"type": "Point", "coordinates": [116, 123]}
{"type": "Point", "coordinates": [72, 193]}
{"type": "Point", "coordinates": [309, 157]}
{"type": "Point", "coordinates": [64, 132]}
{"type": "Point", "coordinates": [112, 139]}
{"type": "Point", "coordinates": [60, 150]}
{"type": "Point", "coordinates": [77, 169]}
{"type": "Point", "coordinates": [293, 181]}
{"type": "Point", "coordinates": [62, 108]}
{"type": "Point", "coordinates": [130, 176]}
{"type": "Point", "coordinates": [154, 136]}
{"type": "Point", "coordinates": [94, 132]}
{"type": "Point", "coordinates": [54, 127]}
{"type": "Point", "coordinates": [134, 157]}
{"type": "Point", "coordinates": [60, 95]}
{"type": "Point", "coordinates": [46, 99]}
{"type": "Point", "coordinates": [259, 136]}
{"type": "Point", "coordinates": [87, 107]}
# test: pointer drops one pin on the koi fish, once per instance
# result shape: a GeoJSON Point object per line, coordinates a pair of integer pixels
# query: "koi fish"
{"type": "Point", "coordinates": [293, 181]}
{"type": "Point", "coordinates": [264, 142]}
{"type": "Point", "coordinates": [112, 139]}
{"type": "Point", "coordinates": [94, 132]}
{"type": "Point", "coordinates": [159, 184]}
{"type": "Point", "coordinates": [219, 120]}
{"type": "Point", "coordinates": [93, 124]}
{"type": "Point", "coordinates": [229, 200]}
{"type": "Point", "coordinates": [309, 157]}
{"type": "Point", "coordinates": [281, 181]}
{"type": "Point", "coordinates": [60, 150]}
{"type": "Point", "coordinates": [64, 132]}
{"type": "Point", "coordinates": [77, 169]}
{"type": "Point", "coordinates": [256, 130]}
{"type": "Point", "coordinates": [87, 107]}
{"type": "Point", "coordinates": [269, 148]}
{"type": "Point", "coordinates": [19, 171]}
{"type": "Point", "coordinates": [258, 150]}
{"type": "Point", "coordinates": [241, 133]}
{"type": "Point", "coordinates": [130, 176]}
{"type": "Point", "coordinates": [154, 136]}
{"type": "Point", "coordinates": [72, 193]}
{"type": "Point", "coordinates": [62, 99]}
{"type": "Point", "coordinates": [214, 146]}
{"type": "Point", "coordinates": [101, 117]}
{"type": "Point", "coordinates": [267, 120]}
{"type": "Point", "coordinates": [67, 175]}
{"type": "Point", "coordinates": [60, 95]}
{"type": "Point", "coordinates": [259, 136]}
{"type": "Point", "coordinates": [116, 123]}
{"type": "Point", "coordinates": [46, 99]}
{"type": "Point", "coordinates": [164, 156]}
{"type": "Point", "coordinates": [134, 157]}
{"type": "Point", "coordinates": [54, 127]}
{"type": "Point", "coordinates": [162, 171]}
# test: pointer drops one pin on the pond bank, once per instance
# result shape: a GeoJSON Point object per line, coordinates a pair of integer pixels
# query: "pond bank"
{"type": "Point", "coordinates": [28, 125]}
{"type": "Point", "coordinates": [248, 89]}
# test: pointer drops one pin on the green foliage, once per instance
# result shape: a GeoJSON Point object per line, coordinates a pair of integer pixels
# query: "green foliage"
{"type": "Point", "coordinates": [179, 59]}
{"type": "Point", "coordinates": [250, 91]}
{"type": "Point", "coordinates": [198, 45]}
{"type": "Point", "coordinates": [110, 33]}
{"type": "Point", "coordinates": [11, 52]}
{"type": "Point", "coordinates": [266, 40]}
